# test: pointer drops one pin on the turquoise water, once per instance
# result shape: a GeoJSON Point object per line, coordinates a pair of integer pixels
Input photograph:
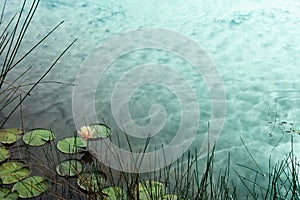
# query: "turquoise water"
{"type": "Point", "coordinates": [254, 44]}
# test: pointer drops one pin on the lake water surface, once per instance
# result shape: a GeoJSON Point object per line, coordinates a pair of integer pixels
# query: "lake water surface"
{"type": "Point", "coordinates": [255, 46]}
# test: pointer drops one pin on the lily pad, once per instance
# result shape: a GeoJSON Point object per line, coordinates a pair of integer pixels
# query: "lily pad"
{"type": "Point", "coordinates": [70, 167]}
{"type": "Point", "coordinates": [114, 193]}
{"type": "Point", "coordinates": [91, 181]}
{"type": "Point", "coordinates": [32, 186]}
{"type": "Point", "coordinates": [16, 131]}
{"type": "Point", "coordinates": [100, 131]}
{"type": "Point", "coordinates": [38, 137]}
{"type": "Point", "coordinates": [4, 154]}
{"type": "Point", "coordinates": [72, 145]}
{"type": "Point", "coordinates": [13, 171]}
{"type": "Point", "coordinates": [149, 190]}
{"type": "Point", "coordinates": [10, 135]}
{"type": "Point", "coordinates": [6, 194]}
{"type": "Point", "coordinates": [169, 197]}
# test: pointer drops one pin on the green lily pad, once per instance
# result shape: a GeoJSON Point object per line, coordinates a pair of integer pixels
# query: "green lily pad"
{"type": "Point", "coordinates": [7, 137]}
{"type": "Point", "coordinates": [100, 131]}
{"type": "Point", "coordinates": [149, 190]}
{"type": "Point", "coordinates": [114, 193]}
{"type": "Point", "coordinates": [70, 167]}
{"type": "Point", "coordinates": [10, 135]}
{"type": "Point", "coordinates": [4, 154]}
{"type": "Point", "coordinates": [72, 145]}
{"type": "Point", "coordinates": [13, 171]}
{"type": "Point", "coordinates": [91, 181]}
{"type": "Point", "coordinates": [38, 137]}
{"type": "Point", "coordinates": [6, 194]}
{"type": "Point", "coordinates": [16, 131]}
{"type": "Point", "coordinates": [32, 186]}
{"type": "Point", "coordinates": [169, 197]}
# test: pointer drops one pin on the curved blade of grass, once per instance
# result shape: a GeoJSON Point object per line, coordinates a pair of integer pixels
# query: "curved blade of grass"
{"type": "Point", "coordinates": [41, 78]}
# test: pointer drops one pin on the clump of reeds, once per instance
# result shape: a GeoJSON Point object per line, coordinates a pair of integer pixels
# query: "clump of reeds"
{"type": "Point", "coordinates": [184, 178]}
{"type": "Point", "coordinates": [280, 182]}
{"type": "Point", "coordinates": [12, 34]}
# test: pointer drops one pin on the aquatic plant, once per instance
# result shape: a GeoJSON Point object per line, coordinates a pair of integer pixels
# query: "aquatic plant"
{"type": "Point", "coordinates": [93, 180]}
{"type": "Point", "coordinates": [100, 131]}
{"type": "Point", "coordinates": [94, 131]}
{"type": "Point", "coordinates": [51, 174]}
{"type": "Point", "coordinates": [86, 132]}
{"type": "Point", "coordinates": [30, 187]}
{"type": "Point", "coordinates": [4, 154]}
{"type": "Point", "coordinates": [6, 193]}
{"type": "Point", "coordinates": [149, 190]}
{"type": "Point", "coordinates": [72, 145]}
{"type": "Point", "coordinates": [280, 182]}
{"type": "Point", "coordinates": [70, 167]}
{"type": "Point", "coordinates": [10, 135]}
{"type": "Point", "coordinates": [13, 171]}
{"type": "Point", "coordinates": [13, 93]}
{"type": "Point", "coordinates": [114, 193]}
{"type": "Point", "coordinates": [38, 137]}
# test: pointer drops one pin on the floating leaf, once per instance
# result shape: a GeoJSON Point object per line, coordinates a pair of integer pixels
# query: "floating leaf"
{"type": "Point", "coordinates": [16, 131]}
{"type": "Point", "coordinates": [69, 167]}
{"type": "Point", "coordinates": [149, 190]}
{"type": "Point", "coordinates": [5, 194]}
{"type": "Point", "coordinates": [10, 135]}
{"type": "Point", "coordinates": [11, 172]}
{"type": "Point", "coordinates": [38, 137]}
{"type": "Point", "coordinates": [169, 197]}
{"type": "Point", "coordinates": [114, 193]}
{"type": "Point", "coordinates": [7, 137]}
{"type": "Point", "coordinates": [72, 145]}
{"type": "Point", "coordinates": [100, 131]}
{"type": "Point", "coordinates": [30, 187]}
{"type": "Point", "coordinates": [4, 154]}
{"type": "Point", "coordinates": [91, 181]}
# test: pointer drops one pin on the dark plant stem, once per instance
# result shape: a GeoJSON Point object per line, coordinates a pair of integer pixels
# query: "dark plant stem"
{"type": "Point", "coordinates": [41, 78]}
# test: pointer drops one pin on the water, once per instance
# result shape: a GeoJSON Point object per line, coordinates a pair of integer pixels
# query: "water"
{"type": "Point", "coordinates": [254, 44]}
